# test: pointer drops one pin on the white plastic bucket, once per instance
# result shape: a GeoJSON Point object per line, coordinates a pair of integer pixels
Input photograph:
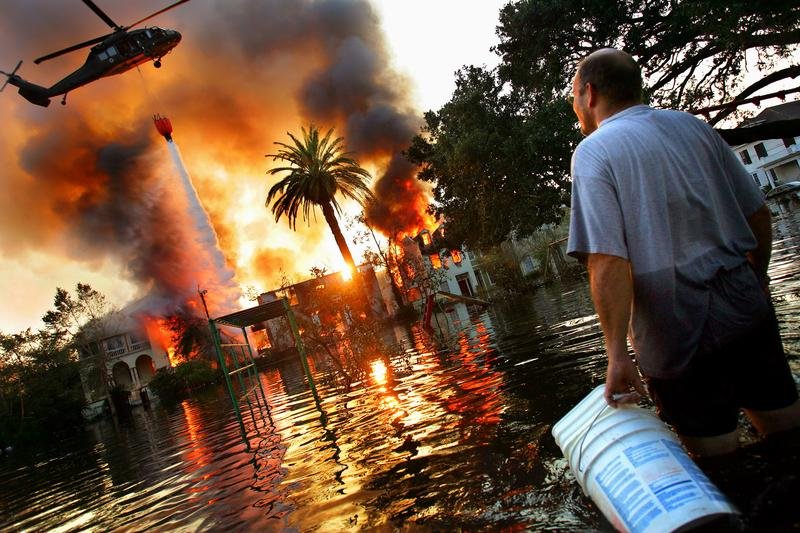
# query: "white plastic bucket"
{"type": "Point", "coordinates": [634, 468]}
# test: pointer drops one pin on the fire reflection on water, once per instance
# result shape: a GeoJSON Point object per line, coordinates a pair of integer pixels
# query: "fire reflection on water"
{"type": "Point", "coordinates": [198, 455]}
{"type": "Point", "coordinates": [442, 435]}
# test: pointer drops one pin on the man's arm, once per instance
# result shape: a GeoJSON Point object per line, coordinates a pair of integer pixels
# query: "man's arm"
{"type": "Point", "coordinates": [612, 292]}
{"type": "Point", "coordinates": [760, 224]}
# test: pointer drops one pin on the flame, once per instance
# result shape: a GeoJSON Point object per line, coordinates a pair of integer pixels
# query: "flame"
{"type": "Point", "coordinates": [160, 336]}
{"type": "Point", "coordinates": [91, 185]}
{"type": "Point", "coordinates": [347, 273]}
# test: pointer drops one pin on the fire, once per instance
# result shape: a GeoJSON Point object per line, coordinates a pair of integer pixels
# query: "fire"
{"type": "Point", "coordinates": [160, 336]}
{"type": "Point", "coordinates": [97, 178]}
{"type": "Point", "coordinates": [347, 273]}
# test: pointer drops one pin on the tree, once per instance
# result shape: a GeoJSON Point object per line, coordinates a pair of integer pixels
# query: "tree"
{"type": "Point", "coordinates": [40, 387]}
{"type": "Point", "coordinates": [693, 53]}
{"type": "Point", "coordinates": [318, 170]}
{"type": "Point", "coordinates": [498, 164]}
{"type": "Point", "coordinates": [377, 258]}
{"type": "Point", "coordinates": [79, 323]}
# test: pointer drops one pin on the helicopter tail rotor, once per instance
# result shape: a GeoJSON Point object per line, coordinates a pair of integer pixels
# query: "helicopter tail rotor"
{"type": "Point", "coordinates": [13, 73]}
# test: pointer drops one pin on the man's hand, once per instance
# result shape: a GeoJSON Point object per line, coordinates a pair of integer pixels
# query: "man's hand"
{"type": "Point", "coordinates": [621, 377]}
{"type": "Point", "coordinates": [611, 283]}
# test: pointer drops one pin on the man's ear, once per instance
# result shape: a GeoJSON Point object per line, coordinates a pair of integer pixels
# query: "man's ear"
{"type": "Point", "coordinates": [591, 95]}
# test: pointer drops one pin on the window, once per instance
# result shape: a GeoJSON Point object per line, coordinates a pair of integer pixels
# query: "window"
{"type": "Point", "coordinates": [456, 255]}
{"type": "Point", "coordinates": [139, 340]}
{"type": "Point", "coordinates": [103, 56]}
{"type": "Point", "coordinates": [436, 261]}
{"type": "Point", "coordinates": [527, 265]}
{"type": "Point", "coordinates": [115, 345]}
{"type": "Point", "coordinates": [745, 155]}
{"type": "Point", "coordinates": [426, 238]}
{"type": "Point", "coordinates": [761, 152]}
{"type": "Point", "coordinates": [788, 141]}
{"type": "Point", "coordinates": [755, 178]}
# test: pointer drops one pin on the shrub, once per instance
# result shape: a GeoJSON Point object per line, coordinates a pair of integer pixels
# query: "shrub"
{"type": "Point", "coordinates": [172, 384]}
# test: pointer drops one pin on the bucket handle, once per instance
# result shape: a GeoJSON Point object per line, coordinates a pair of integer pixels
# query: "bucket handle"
{"type": "Point", "coordinates": [583, 439]}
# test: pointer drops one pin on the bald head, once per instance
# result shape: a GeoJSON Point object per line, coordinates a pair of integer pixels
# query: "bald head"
{"type": "Point", "coordinates": [614, 75]}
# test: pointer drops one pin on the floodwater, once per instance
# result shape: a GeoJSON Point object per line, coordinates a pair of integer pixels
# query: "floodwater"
{"type": "Point", "coordinates": [442, 436]}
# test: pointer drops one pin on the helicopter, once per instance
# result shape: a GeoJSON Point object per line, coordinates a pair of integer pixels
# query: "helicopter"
{"type": "Point", "coordinates": [114, 53]}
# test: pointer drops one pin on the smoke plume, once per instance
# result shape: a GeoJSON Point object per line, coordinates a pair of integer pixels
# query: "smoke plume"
{"type": "Point", "coordinates": [91, 183]}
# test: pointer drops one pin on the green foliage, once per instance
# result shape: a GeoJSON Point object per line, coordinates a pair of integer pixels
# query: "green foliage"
{"type": "Point", "coordinates": [318, 170]}
{"type": "Point", "coordinates": [338, 329]}
{"type": "Point", "coordinates": [692, 51]}
{"type": "Point", "coordinates": [171, 384]}
{"type": "Point", "coordinates": [40, 388]}
{"type": "Point", "coordinates": [196, 373]}
{"type": "Point", "coordinates": [166, 385]}
{"type": "Point", "coordinates": [499, 163]}
{"type": "Point", "coordinates": [190, 336]}
{"type": "Point", "coordinates": [504, 269]}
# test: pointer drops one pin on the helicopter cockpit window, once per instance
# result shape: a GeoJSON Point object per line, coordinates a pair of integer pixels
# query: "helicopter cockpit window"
{"type": "Point", "coordinates": [149, 35]}
{"type": "Point", "coordinates": [112, 51]}
{"type": "Point", "coordinates": [103, 56]}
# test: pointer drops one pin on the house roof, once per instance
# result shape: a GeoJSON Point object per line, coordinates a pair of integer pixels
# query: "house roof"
{"type": "Point", "coordinates": [254, 315]}
{"type": "Point", "coordinates": [786, 111]}
{"type": "Point", "coordinates": [776, 122]}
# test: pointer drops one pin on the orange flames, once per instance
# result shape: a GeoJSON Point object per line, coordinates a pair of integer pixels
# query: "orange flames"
{"type": "Point", "coordinates": [93, 183]}
{"type": "Point", "coordinates": [160, 336]}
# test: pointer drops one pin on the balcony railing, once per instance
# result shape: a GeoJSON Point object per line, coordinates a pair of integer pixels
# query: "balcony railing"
{"type": "Point", "coordinates": [115, 352]}
{"type": "Point", "coordinates": [140, 345]}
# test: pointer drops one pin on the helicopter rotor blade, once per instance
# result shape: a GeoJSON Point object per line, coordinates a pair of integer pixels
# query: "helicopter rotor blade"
{"type": "Point", "coordinates": [100, 13]}
{"type": "Point", "coordinates": [13, 72]}
{"type": "Point", "coordinates": [72, 48]}
{"type": "Point", "coordinates": [148, 17]}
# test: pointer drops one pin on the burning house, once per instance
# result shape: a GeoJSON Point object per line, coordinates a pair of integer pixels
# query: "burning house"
{"type": "Point", "coordinates": [428, 259]}
{"type": "Point", "coordinates": [122, 351]}
{"type": "Point", "coordinates": [327, 298]}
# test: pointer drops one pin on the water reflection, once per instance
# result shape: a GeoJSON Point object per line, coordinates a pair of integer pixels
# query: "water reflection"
{"type": "Point", "coordinates": [453, 431]}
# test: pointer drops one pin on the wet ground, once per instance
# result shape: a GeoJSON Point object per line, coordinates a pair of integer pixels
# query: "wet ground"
{"type": "Point", "coordinates": [442, 436]}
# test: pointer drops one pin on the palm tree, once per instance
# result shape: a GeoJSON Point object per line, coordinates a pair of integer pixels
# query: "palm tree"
{"type": "Point", "coordinates": [319, 169]}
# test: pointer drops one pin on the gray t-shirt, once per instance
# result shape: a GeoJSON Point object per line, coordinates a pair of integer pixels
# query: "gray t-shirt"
{"type": "Point", "coordinates": [663, 190]}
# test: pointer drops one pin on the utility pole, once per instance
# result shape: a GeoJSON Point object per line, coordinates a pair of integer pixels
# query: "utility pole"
{"type": "Point", "coordinates": [202, 294]}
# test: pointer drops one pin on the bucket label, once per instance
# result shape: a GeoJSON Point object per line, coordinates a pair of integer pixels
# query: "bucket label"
{"type": "Point", "coordinates": [698, 476]}
{"type": "Point", "coordinates": [652, 478]}
{"type": "Point", "coordinates": [634, 504]}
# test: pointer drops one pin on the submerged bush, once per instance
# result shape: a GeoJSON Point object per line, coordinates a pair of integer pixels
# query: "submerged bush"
{"type": "Point", "coordinates": [171, 384]}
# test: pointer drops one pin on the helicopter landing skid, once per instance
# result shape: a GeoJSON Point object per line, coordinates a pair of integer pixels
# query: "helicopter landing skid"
{"type": "Point", "coordinates": [64, 99]}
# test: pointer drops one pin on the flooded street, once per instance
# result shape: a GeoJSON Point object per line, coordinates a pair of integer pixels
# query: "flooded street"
{"type": "Point", "coordinates": [443, 435]}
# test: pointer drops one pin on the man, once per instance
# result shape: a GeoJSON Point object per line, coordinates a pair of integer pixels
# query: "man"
{"type": "Point", "coordinates": [677, 240]}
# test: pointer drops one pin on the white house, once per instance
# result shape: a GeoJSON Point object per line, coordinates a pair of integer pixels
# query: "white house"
{"type": "Point", "coordinates": [460, 277]}
{"type": "Point", "coordinates": [774, 161]}
{"type": "Point", "coordinates": [132, 356]}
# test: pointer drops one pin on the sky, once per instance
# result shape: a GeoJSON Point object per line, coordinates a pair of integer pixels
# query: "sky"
{"type": "Point", "coordinates": [91, 193]}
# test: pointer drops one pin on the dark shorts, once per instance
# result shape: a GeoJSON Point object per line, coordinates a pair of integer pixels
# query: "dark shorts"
{"type": "Point", "coordinates": [750, 372]}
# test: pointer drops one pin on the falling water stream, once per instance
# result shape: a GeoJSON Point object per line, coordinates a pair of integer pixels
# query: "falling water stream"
{"type": "Point", "coordinates": [441, 436]}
